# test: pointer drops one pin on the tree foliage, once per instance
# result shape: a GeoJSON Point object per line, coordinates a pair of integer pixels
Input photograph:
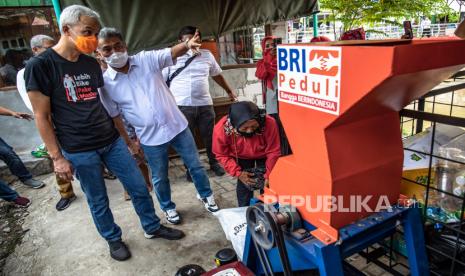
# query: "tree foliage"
{"type": "Point", "coordinates": [354, 13]}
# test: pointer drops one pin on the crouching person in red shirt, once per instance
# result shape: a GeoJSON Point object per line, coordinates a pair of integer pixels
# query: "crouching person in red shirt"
{"type": "Point", "coordinates": [246, 143]}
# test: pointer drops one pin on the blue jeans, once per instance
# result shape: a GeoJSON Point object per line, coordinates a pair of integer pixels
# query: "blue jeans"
{"type": "Point", "coordinates": [88, 168]}
{"type": "Point", "coordinates": [157, 157]}
{"type": "Point", "coordinates": [7, 193]}
{"type": "Point", "coordinates": [13, 162]}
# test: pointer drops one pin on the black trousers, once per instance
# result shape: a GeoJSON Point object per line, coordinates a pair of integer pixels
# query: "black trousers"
{"type": "Point", "coordinates": [203, 119]}
{"type": "Point", "coordinates": [244, 195]}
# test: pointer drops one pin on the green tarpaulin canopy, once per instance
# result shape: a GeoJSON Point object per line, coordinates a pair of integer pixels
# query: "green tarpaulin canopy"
{"type": "Point", "coordinates": [153, 24]}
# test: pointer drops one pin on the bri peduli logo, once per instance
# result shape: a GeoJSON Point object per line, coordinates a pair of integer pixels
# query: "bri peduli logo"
{"type": "Point", "coordinates": [310, 76]}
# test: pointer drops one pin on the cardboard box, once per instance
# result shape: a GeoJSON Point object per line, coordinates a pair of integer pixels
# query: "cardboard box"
{"type": "Point", "coordinates": [411, 189]}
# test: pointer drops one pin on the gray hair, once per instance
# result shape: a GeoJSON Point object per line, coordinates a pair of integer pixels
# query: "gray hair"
{"type": "Point", "coordinates": [108, 32]}
{"type": "Point", "coordinates": [72, 14]}
{"type": "Point", "coordinates": [38, 40]}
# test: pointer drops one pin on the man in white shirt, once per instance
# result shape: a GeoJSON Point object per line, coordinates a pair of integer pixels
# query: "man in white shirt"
{"type": "Point", "coordinates": [39, 44]}
{"type": "Point", "coordinates": [135, 86]}
{"type": "Point", "coordinates": [425, 26]}
{"type": "Point", "coordinates": [188, 81]}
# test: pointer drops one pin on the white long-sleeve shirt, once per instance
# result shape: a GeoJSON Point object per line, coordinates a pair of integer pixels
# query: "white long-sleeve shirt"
{"type": "Point", "coordinates": [143, 97]}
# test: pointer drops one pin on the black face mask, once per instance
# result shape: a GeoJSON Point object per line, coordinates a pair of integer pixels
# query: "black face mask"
{"type": "Point", "coordinates": [248, 134]}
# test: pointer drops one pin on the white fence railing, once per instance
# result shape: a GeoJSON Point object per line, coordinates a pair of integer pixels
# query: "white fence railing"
{"type": "Point", "coordinates": [381, 32]}
{"type": "Point", "coordinates": [230, 56]}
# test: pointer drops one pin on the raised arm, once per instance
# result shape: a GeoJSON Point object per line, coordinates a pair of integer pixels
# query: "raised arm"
{"type": "Point", "coordinates": [182, 48]}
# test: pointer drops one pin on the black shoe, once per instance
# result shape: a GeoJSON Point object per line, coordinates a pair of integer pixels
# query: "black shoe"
{"type": "Point", "coordinates": [64, 203]}
{"type": "Point", "coordinates": [217, 169]}
{"type": "Point", "coordinates": [188, 177]}
{"type": "Point", "coordinates": [165, 233]}
{"type": "Point", "coordinates": [119, 251]}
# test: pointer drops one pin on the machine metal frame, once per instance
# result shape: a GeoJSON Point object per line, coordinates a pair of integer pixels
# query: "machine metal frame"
{"type": "Point", "coordinates": [310, 253]}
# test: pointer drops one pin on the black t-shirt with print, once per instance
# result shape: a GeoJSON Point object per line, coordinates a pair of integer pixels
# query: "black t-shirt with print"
{"type": "Point", "coordinates": [81, 122]}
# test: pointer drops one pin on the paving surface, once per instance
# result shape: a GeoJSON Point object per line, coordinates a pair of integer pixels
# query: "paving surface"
{"type": "Point", "coordinates": [57, 243]}
{"type": "Point", "coordinates": [20, 134]}
{"type": "Point", "coordinates": [67, 243]}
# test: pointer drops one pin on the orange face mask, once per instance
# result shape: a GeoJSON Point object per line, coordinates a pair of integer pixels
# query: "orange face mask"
{"type": "Point", "coordinates": [86, 44]}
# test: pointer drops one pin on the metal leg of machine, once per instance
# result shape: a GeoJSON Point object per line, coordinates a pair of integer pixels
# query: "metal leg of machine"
{"type": "Point", "coordinates": [415, 243]}
{"type": "Point", "coordinates": [329, 260]}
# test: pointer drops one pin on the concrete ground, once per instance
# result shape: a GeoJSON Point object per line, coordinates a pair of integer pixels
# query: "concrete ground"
{"type": "Point", "coordinates": [67, 242]}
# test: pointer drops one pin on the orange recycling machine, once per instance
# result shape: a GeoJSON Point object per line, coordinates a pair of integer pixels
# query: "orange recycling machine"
{"type": "Point", "coordinates": [339, 104]}
{"type": "Point", "coordinates": [359, 151]}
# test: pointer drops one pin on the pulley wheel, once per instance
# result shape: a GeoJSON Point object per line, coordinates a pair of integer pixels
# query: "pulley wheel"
{"type": "Point", "coordinates": [294, 221]}
{"type": "Point", "coordinates": [259, 225]}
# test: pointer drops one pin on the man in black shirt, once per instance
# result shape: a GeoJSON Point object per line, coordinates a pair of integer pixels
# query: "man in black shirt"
{"type": "Point", "coordinates": [62, 84]}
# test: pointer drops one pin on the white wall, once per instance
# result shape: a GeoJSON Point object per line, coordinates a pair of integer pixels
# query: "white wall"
{"type": "Point", "coordinates": [243, 81]}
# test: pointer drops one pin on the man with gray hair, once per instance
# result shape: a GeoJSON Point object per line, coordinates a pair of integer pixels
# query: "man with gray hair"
{"type": "Point", "coordinates": [78, 132]}
{"type": "Point", "coordinates": [135, 85]}
{"type": "Point", "coordinates": [39, 44]}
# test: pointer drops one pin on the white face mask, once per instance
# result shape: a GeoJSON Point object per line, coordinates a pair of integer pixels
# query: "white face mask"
{"type": "Point", "coordinates": [117, 59]}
